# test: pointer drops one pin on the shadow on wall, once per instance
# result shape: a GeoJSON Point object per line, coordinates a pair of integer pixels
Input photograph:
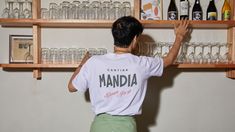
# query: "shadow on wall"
{"type": "Point", "coordinates": [152, 100]}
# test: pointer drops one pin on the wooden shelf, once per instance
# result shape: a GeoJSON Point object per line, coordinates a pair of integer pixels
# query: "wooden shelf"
{"type": "Point", "coordinates": [39, 66]}
{"type": "Point", "coordinates": [51, 23]}
{"type": "Point", "coordinates": [194, 24]}
{"type": "Point", "coordinates": [206, 66]}
{"type": "Point", "coordinates": [68, 66]}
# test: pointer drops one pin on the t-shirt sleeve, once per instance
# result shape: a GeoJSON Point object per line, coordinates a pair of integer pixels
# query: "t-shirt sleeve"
{"type": "Point", "coordinates": [80, 81]}
{"type": "Point", "coordinates": [154, 66]}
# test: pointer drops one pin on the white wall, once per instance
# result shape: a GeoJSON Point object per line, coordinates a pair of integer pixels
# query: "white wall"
{"type": "Point", "coordinates": [180, 101]}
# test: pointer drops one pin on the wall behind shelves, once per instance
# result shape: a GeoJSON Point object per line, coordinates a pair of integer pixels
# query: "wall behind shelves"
{"type": "Point", "coordinates": [180, 101]}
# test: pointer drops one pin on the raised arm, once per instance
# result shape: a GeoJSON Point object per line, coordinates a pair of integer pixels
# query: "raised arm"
{"type": "Point", "coordinates": [71, 88]}
{"type": "Point", "coordinates": [180, 32]}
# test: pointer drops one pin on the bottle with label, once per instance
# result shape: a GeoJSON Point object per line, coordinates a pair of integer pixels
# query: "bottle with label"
{"type": "Point", "coordinates": [197, 11]}
{"type": "Point", "coordinates": [172, 13]}
{"type": "Point", "coordinates": [184, 9]}
{"type": "Point", "coordinates": [226, 11]}
{"type": "Point", "coordinates": [211, 13]}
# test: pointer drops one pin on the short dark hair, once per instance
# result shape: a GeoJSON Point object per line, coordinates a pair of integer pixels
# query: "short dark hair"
{"type": "Point", "coordinates": [125, 29]}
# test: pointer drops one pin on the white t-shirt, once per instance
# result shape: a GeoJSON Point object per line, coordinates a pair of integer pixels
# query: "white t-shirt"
{"type": "Point", "coordinates": [117, 82]}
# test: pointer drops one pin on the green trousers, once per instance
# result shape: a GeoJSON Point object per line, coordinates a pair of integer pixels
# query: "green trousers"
{"type": "Point", "coordinates": [109, 123]}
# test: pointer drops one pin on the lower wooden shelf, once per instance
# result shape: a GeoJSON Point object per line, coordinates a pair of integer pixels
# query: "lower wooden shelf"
{"type": "Point", "coordinates": [61, 66]}
{"type": "Point", "coordinates": [39, 66]}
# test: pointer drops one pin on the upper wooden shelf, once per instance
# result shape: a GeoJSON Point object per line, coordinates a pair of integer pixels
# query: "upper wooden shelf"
{"type": "Point", "coordinates": [108, 24]}
{"type": "Point", "coordinates": [69, 66]}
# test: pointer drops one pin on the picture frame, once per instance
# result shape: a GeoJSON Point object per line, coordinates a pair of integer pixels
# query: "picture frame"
{"type": "Point", "coordinates": [151, 10]}
{"type": "Point", "coordinates": [20, 49]}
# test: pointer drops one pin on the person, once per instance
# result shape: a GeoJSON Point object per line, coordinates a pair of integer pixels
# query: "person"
{"type": "Point", "coordinates": [117, 81]}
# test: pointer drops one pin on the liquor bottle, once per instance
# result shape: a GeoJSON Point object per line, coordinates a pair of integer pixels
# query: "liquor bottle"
{"type": "Point", "coordinates": [197, 11]}
{"type": "Point", "coordinates": [226, 11]}
{"type": "Point", "coordinates": [211, 13]}
{"type": "Point", "coordinates": [184, 9]}
{"type": "Point", "coordinates": [172, 11]}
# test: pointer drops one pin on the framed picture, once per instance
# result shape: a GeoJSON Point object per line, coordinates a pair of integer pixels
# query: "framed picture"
{"type": "Point", "coordinates": [151, 10]}
{"type": "Point", "coordinates": [21, 49]}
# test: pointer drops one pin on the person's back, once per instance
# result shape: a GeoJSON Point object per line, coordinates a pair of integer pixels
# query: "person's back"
{"type": "Point", "coordinates": [117, 82]}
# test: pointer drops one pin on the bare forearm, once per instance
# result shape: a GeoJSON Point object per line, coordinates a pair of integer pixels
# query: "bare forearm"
{"type": "Point", "coordinates": [169, 59]}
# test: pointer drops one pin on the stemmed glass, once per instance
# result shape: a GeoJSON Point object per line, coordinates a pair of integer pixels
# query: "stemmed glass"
{"type": "Point", "coordinates": [208, 57]}
{"type": "Point", "coordinates": [158, 50]}
{"type": "Point", "coordinates": [165, 49]}
{"type": "Point", "coordinates": [11, 12]}
{"type": "Point", "coordinates": [182, 54]}
{"type": "Point", "coordinates": [191, 53]}
{"type": "Point", "coordinates": [199, 56]}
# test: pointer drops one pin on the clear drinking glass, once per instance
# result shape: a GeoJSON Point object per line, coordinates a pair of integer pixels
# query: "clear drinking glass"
{"type": "Point", "coordinates": [207, 56]}
{"type": "Point", "coordinates": [53, 11]}
{"type": "Point", "coordinates": [116, 10]}
{"type": "Point", "coordinates": [182, 54]}
{"type": "Point", "coordinates": [199, 56]}
{"type": "Point", "coordinates": [158, 50]}
{"type": "Point", "coordinates": [126, 8]}
{"type": "Point", "coordinates": [45, 55]}
{"type": "Point", "coordinates": [6, 10]}
{"type": "Point", "coordinates": [64, 10]}
{"type": "Point", "coordinates": [76, 3]}
{"type": "Point", "coordinates": [11, 12]}
{"type": "Point", "coordinates": [27, 5]}
{"type": "Point", "coordinates": [16, 9]}
{"type": "Point", "coordinates": [72, 11]}
{"type": "Point", "coordinates": [21, 12]}
{"type": "Point", "coordinates": [44, 13]}
{"type": "Point", "coordinates": [105, 8]}
{"type": "Point", "coordinates": [94, 11]}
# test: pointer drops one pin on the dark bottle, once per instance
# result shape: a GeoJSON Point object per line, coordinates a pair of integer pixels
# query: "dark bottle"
{"type": "Point", "coordinates": [172, 13]}
{"type": "Point", "coordinates": [197, 11]}
{"type": "Point", "coordinates": [211, 13]}
{"type": "Point", "coordinates": [184, 9]}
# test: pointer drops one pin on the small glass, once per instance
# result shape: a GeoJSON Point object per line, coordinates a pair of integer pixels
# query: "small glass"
{"type": "Point", "coordinates": [27, 5]}
{"type": "Point", "coordinates": [21, 12]}
{"type": "Point", "coordinates": [64, 10]}
{"type": "Point", "coordinates": [126, 8]}
{"type": "Point", "coordinates": [44, 13]}
{"type": "Point", "coordinates": [94, 11]}
{"type": "Point", "coordinates": [76, 14]}
{"type": "Point", "coordinates": [45, 55]}
{"type": "Point", "coordinates": [105, 9]}
{"type": "Point", "coordinates": [6, 11]}
{"type": "Point", "coordinates": [117, 9]}
{"type": "Point", "coordinates": [53, 11]}
{"type": "Point", "coordinates": [16, 10]}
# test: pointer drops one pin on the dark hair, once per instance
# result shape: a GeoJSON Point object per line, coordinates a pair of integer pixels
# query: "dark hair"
{"type": "Point", "coordinates": [125, 29]}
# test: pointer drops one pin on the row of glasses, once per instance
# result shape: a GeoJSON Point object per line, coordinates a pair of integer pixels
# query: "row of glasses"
{"type": "Point", "coordinates": [17, 9]}
{"type": "Point", "coordinates": [204, 53]}
{"type": "Point", "coordinates": [67, 55]}
{"type": "Point", "coordinates": [86, 10]}
{"type": "Point", "coordinates": [190, 52]}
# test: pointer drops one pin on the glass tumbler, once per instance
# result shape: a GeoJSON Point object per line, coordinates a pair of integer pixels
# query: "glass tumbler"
{"type": "Point", "coordinates": [116, 10]}
{"type": "Point", "coordinates": [53, 11]}
{"type": "Point", "coordinates": [65, 9]}
{"type": "Point", "coordinates": [94, 10]}
{"type": "Point", "coordinates": [27, 6]}
{"type": "Point", "coordinates": [21, 12]}
{"type": "Point", "coordinates": [16, 10]}
{"type": "Point", "coordinates": [76, 3]}
{"type": "Point", "coordinates": [6, 10]}
{"type": "Point", "coordinates": [126, 8]}
{"type": "Point", "coordinates": [44, 13]}
{"type": "Point", "coordinates": [105, 9]}
{"type": "Point", "coordinates": [45, 55]}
